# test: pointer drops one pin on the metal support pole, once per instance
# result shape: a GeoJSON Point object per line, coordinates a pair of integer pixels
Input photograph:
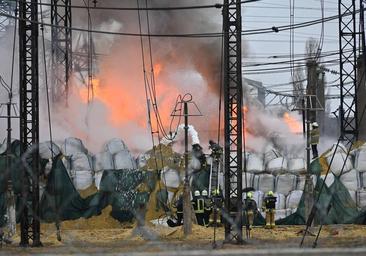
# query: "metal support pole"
{"type": "Point", "coordinates": [187, 207]}
{"type": "Point", "coordinates": [308, 190]}
{"type": "Point", "coordinates": [29, 122]}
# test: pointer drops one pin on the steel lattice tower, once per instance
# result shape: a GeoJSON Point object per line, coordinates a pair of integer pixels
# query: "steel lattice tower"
{"type": "Point", "coordinates": [233, 97]}
{"type": "Point", "coordinates": [348, 69]}
{"type": "Point", "coordinates": [61, 48]}
{"type": "Point", "coordinates": [29, 121]}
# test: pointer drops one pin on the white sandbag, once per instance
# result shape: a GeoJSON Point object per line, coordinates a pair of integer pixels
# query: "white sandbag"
{"type": "Point", "coordinates": [338, 149]}
{"type": "Point", "coordinates": [98, 178]}
{"type": "Point", "coordinates": [297, 166]}
{"type": "Point", "coordinates": [249, 178]}
{"type": "Point", "coordinates": [103, 161]}
{"type": "Point", "coordinates": [361, 198]}
{"type": "Point", "coordinates": [293, 199]}
{"type": "Point", "coordinates": [124, 160]}
{"type": "Point", "coordinates": [83, 179]}
{"type": "Point", "coordinates": [48, 150]}
{"type": "Point", "coordinates": [280, 201]}
{"type": "Point", "coordinates": [255, 163]}
{"type": "Point", "coordinates": [360, 161]}
{"type": "Point", "coordinates": [171, 178]}
{"type": "Point", "coordinates": [81, 162]}
{"type": "Point", "coordinates": [330, 179]}
{"type": "Point", "coordinates": [338, 162]}
{"type": "Point", "coordinates": [353, 195]}
{"type": "Point", "coordinates": [350, 180]}
{"type": "Point", "coordinates": [264, 182]}
{"type": "Point", "coordinates": [301, 181]}
{"type": "Point", "coordinates": [270, 153]}
{"type": "Point", "coordinates": [258, 197]}
{"type": "Point", "coordinates": [115, 145]}
{"type": "Point", "coordinates": [71, 146]}
{"type": "Point", "coordinates": [277, 166]}
{"type": "Point", "coordinates": [285, 183]}
{"type": "Point", "coordinates": [280, 214]}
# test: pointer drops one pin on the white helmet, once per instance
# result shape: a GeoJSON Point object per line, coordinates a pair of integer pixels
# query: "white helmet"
{"type": "Point", "coordinates": [204, 193]}
{"type": "Point", "coordinates": [197, 193]}
{"type": "Point", "coordinates": [315, 124]}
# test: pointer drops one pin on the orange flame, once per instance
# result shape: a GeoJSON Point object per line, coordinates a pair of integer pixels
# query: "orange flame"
{"type": "Point", "coordinates": [293, 124]}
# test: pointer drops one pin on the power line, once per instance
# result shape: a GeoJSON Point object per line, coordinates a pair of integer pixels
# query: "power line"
{"type": "Point", "coordinates": [188, 35]}
{"type": "Point", "coordinates": [174, 8]}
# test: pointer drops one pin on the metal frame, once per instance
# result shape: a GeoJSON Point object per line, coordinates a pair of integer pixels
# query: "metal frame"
{"type": "Point", "coordinates": [233, 97]}
{"type": "Point", "coordinates": [61, 48]}
{"type": "Point", "coordinates": [29, 121]}
{"type": "Point", "coordinates": [348, 69]}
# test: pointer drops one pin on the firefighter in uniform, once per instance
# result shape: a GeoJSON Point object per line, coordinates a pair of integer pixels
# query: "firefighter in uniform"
{"type": "Point", "coordinates": [270, 207]}
{"type": "Point", "coordinates": [314, 138]}
{"type": "Point", "coordinates": [198, 206]}
{"type": "Point", "coordinates": [207, 208]}
{"type": "Point", "coordinates": [250, 207]}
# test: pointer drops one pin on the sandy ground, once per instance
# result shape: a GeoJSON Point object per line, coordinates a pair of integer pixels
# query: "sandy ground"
{"type": "Point", "coordinates": [124, 239]}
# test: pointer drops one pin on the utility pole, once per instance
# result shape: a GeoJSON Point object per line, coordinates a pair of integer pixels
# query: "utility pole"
{"type": "Point", "coordinates": [187, 206]}
{"type": "Point", "coordinates": [29, 122]}
{"type": "Point", "coordinates": [233, 102]}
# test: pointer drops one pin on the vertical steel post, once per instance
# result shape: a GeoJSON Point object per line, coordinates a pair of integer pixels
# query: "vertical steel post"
{"type": "Point", "coordinates": [233, 96]}
{"type": "Point", "coordinates": [29, 121]}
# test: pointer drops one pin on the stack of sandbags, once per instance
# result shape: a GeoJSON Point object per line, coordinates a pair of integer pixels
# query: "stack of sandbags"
{"type": "Point", "coordinates": [122, 158]}
{"type": "Point", "coordinates": [102, 161]}
{"type": "Point", "coordinates": [264, 182]}
{"type": "Point", "coordinates": [277, 166]}
{"type": "Point", "coordinates": [255, 163]}
{"type": "Point", "coordinates": [285, 183]}
{"type": "Point", "coordinates": [81, 171]}
{"type": "Point", "coordinates": [297, 166]}
{"type": "Point", "coordinates": [361, 198]}
{"type": "Point", "coordinates": [71, 146]}
{"type": "Point", "coordinates": [301, 181]}
{"type": "Point", "coordinates": [341, 162]}
{"type": "Point", "coordinates": [293, 199]}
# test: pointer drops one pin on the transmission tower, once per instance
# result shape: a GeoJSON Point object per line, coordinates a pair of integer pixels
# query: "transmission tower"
{"type": "Point", "coordinates": [348, 69]}
{"type": "Point", "coordinates": [29, 122]}
{"type": "Point", "coordinates": [61, 48]}
{"type": "Point", "coordinates": [233, 97]}
{"type": "Point", "coordinates": [6, 8]}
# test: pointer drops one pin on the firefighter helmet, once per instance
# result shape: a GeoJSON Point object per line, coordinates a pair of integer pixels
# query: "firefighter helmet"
{"type": "Point", "coordinates": [270, 193]}
{"type": "Point", "coordinates": [249, 195]}
{"type": "Point", "coordinates": [197, 193]}
{"type": "Point", "coordinates": [204, 193]}
{"type": "Point", "coordinates": [314, 124]}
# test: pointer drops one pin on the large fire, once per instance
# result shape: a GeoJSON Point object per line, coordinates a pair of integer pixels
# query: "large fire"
{"type": "Point", "coordinates": [293, 124]}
